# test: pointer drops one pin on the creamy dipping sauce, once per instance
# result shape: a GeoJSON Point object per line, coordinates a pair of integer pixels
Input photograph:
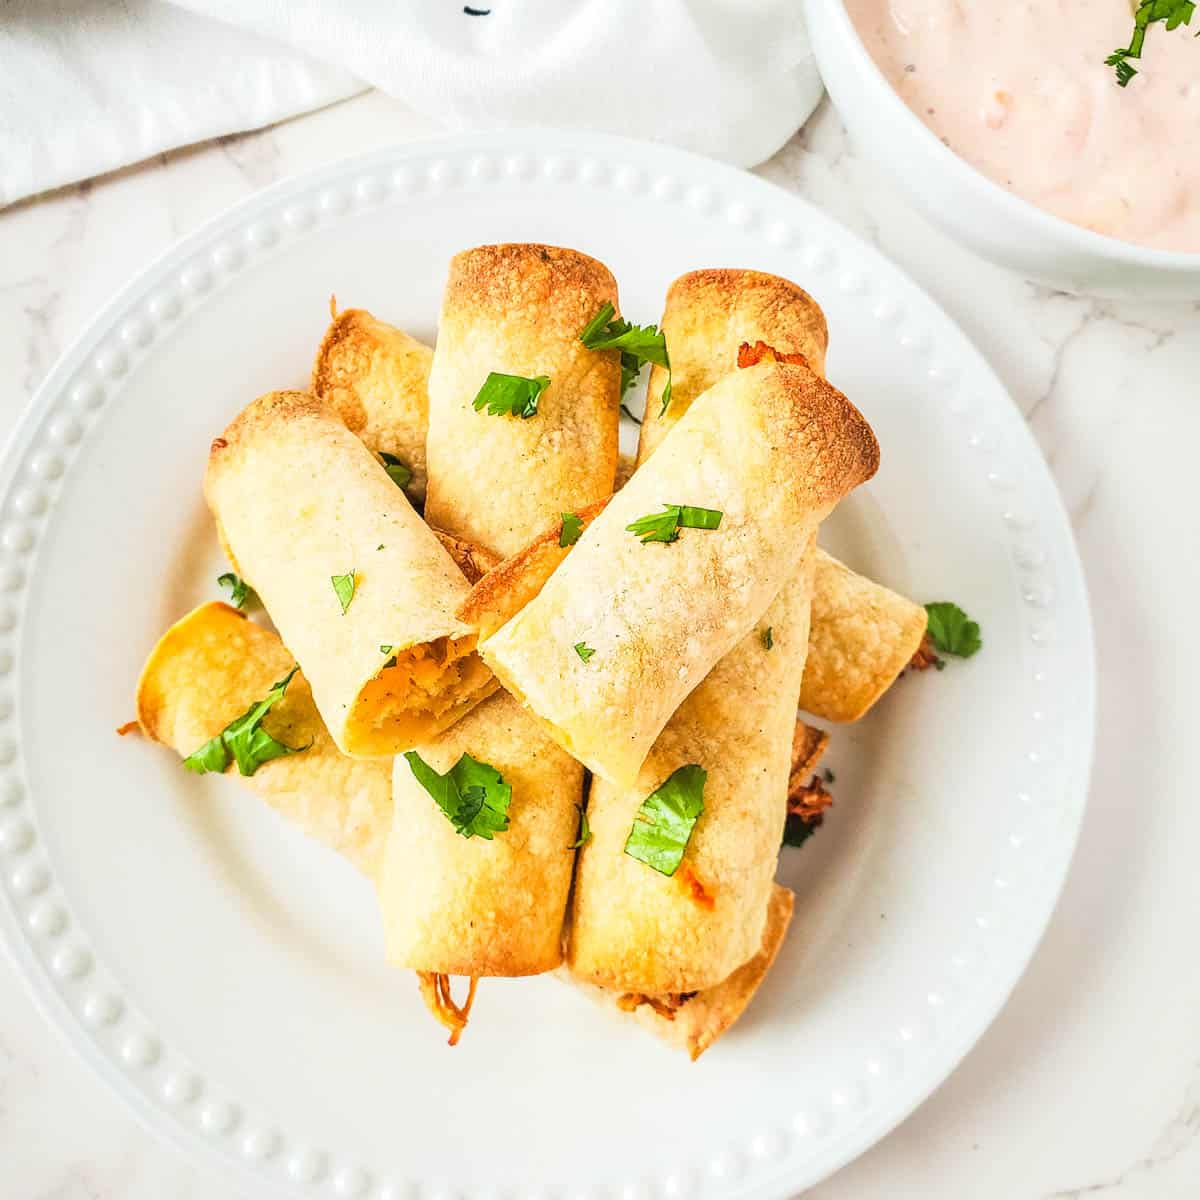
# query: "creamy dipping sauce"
{"type": "Point", "coordinates": [1020, 91]}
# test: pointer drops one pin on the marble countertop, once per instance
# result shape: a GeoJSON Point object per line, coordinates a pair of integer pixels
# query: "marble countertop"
{"type": "Point", "coordinates": [1088, 1084]}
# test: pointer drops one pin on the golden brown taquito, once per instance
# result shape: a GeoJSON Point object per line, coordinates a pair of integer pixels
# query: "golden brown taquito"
{"type": "Point", "coordinates": [772, 448]}
{"type": "Point", "coordinates": [300, 500]}
{"type": "Point", "coordinates": [635, 929]}
{"type": "Point", "coordinates": [206, 671]}
{"type": "Point", "coordinates": [376, 377]}
{"type": "Point", "coordinates": [497, 480]}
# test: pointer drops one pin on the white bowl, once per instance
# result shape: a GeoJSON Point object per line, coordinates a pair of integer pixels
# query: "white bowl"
{"type": "Point", "coordinates": [992, 221]}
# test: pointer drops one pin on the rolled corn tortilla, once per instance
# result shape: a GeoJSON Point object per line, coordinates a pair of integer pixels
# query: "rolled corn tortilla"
{"type": "Point", "coordinates": [694, 1021]}
{"type": "Point", "coordinates": [708, 315]}
{"type": "Point", "coordinates": [863, 634]}
{"type": "Point", "coordinates": [772, 448]}
{"type": "Point", "coordinates": [497, 480]}
{"type": "Point", "coordinates": [634, 929]}
{"type": "Point", "coordinates": [300, 500]}
{"type": "Point", "coordinates": [468, 906]}
{"type": "Point", "coordinates": [376, 378]}
{"type": "Point", "coordinates": [206, 671]}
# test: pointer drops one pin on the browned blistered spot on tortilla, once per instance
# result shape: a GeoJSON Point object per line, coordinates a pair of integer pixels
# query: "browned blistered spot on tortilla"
{"type": "Point", "coordinates": [219, 443]}
{"type": "Point", "coordinates": [694, 887]}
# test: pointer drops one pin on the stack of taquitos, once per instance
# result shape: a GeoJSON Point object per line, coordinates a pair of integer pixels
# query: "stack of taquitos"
{"type": "Point", "coordinates": [757, 951]}
{"type": "Point", "coordinates": [659, 935]}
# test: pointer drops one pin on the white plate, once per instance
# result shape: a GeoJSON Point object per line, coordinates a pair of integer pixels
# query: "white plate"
{"type": "Point", "coordinates": [225, 976]}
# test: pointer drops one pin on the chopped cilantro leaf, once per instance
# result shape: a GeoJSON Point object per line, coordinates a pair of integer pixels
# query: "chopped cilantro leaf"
{"type": "Point", "coordinates": [343, 588]}
{"type": "Point", "coordinates": [638, 344]}
{"type": "Point", "coordinates": [584, 651]}
{"type": "Point", "coordinates": [399, 473]}
{"type": "Point", "coordinates": [952, 631]}
{"type": "Point", "coordinates": [585, 830]}
{"type": "Point", "coordinates": [664, 822]}
{"type": "Point", "coordinates": [241, 594]}
{"type": "Point", "coordinates": [572, 527]}
{"type": "Point", "coordinates": [472, 794]}
{"type": "Point", "coordinates": [665, 526]}
{"type": "Point", "coordinates": [244, 739]}
{"type": "Point", "coordinates": [511, 395]}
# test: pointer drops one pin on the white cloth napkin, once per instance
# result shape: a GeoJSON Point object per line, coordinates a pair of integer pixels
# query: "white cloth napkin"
{"type": "Point", "coordinates": [87, 86]}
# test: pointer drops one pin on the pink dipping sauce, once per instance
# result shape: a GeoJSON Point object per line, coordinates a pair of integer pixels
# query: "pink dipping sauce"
{"type": "Point", "coordinates": [1020, 91]}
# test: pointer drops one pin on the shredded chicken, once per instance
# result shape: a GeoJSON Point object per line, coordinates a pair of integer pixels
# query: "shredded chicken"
{"type": "Point", "coordinates": [129, 727]}
{"type": "Point", "coordinates": [808, 801]}
{"type": "Point", "coordinates": [808, 747]}
{"type": "Point", "coordinates": [666, 1006]}
{"type": "Point", "coordinates": [473, 561]}
{"type": "Point", "coordinates": [926, 656]}
{"type": "Point", "coordinates": [435, 991]}
{"type": "Point", "coordinates": [749, 356]}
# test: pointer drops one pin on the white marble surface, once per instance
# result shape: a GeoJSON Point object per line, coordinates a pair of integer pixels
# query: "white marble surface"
{"type": "Point", "coordinates": [1088, 1085]}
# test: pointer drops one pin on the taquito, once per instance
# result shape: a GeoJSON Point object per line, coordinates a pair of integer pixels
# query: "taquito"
{"type": "Point", "coordinates": [360, 588]}
{"type": "Point", "coordinates": [693, 1021]}
{"type": "Point", "coordinates": [638, 930]}
{"type": "Point", "coordinates": [772, 449]}
{"type": "Point", "coordinates": [206, 670]}
{"type": "Point", "coordinates": [376, 378]}
{"type": "Point", "coordinates": [863, 634]}
{"type": "Point", "coordinates": [518, 310]}
{"type": "Point", "coordinates": [455, 905]}
{"type": "Point", "coordinates": [469, 906]}
{"type": "Point", "coordinates": [707, 316]}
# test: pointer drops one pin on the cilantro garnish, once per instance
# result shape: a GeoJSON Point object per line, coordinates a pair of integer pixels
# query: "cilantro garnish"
{"type": "Point", "coordinates": [572, 527]}
{"type": "Point", "coordinates": [1171, 13]}
{"type": "Point", "coordinates": [343, 588]}
{"type": "Point", "coordinates": [399, 473]}
{"type": "Point", "coordinates": [244, 739]}
{"type": "Point", "coordinates": [472, 794]}
{"type": "Point", "coordinates": [638, 344]}
{"type": "Point", "coordinates": [952, 631]}
{"type": "Point", "coordinates": [585, 830]}
{"type": "Point", "coordinates": [665, 526]}
{"type": "Point", "coordinates": [241, 594]}
{"type": "Point", "coordinates": [511, 395]}
{"type": "Point", "coordinates": [768, 637]}
{"type": "Point", "coordinates": [584, 650]}
{"type": "Point", "coordinates": [664, 822]}
{"type": "Point", "coordinates": [797, 831]}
